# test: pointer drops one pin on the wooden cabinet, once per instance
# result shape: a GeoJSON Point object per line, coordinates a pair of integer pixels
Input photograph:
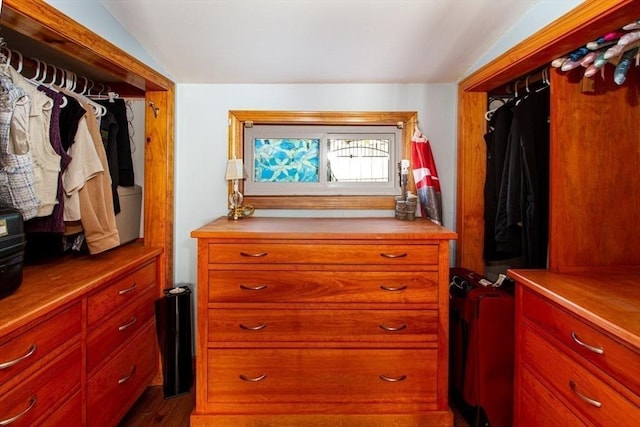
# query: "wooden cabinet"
{"type": "Point", "coordinates": [322, 320]}
{"type": "Point", "coordinates": [40, 369]}
{"type": "Point", "coordinates": [577, 340]}
{"type": "Point", "coordinates": [65, 328]}
{"type": "Point", "coordinates": [67, 352]}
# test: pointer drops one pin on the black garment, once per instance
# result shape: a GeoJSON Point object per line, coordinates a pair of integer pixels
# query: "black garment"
{"type": "Point", "coordinates": [532, 114]}
{"type": "Point", "coordinates": [124, 161]}
{"type": "Point", "coordinates": [70, 117]}
{"type": "Point", "coordinates": [496, 142]}
{"type": "Point", "coordinates": [109, 133]}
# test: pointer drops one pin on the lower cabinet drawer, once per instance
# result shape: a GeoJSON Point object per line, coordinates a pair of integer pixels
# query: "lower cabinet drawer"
{"type": "Point", "coordinates": [541, 408]}
{"type": "Point", "coordinates": [68, 415]}
{"type": "Point", "coordinates": [20, 355]}
{"type": "Point", "coordinates": [584, 392]}
{"type": "Point", "coordinates": [240, 379]}
{"type": "Point", "coordinates": [116, 386]}
{"type": "Point", "coordinates": [381, 326]}
{"type": "Point", "coordinates": [39, 394]}
{"type": "Point", "coordinates": [118, 328]}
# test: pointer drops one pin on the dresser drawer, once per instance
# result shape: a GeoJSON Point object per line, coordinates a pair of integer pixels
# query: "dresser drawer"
{"type": "Point", "coordinates": [255, 286]}
{"type": "Point", "coordinates": [20, 355]}
{"type": "Point", "coordinates": [38, 395]}
{"type": "Point", "coordinates": [103, 303]}
{"type": "Point", "coordinates": [116, 386]}
{"type": "Point", "coordinates": [319, 252]}
{"type": "Point", "coordinates": [582, 390]}
{"type": "Point", "coordinates": [118, 328]}
{"type": "Point", "coordinates": [594, 346]}
{"type": "Point", "coordinates": [346, 326]}
{"type": "Point", "coordinates": [239, 378]}
{"type": "Point", "coordinates": [68, 415]}
{"type": "Point", "coordinates": [541, 408]}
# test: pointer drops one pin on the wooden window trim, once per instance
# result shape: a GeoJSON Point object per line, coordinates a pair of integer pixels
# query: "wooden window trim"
{"type": "Point", "coordinates": [237, 119]}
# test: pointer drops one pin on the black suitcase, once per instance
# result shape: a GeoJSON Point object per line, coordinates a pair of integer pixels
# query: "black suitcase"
{"type": "Point", "coordinates": [481, 348]}
{"type": "Point", "coordinates": [12, 244]}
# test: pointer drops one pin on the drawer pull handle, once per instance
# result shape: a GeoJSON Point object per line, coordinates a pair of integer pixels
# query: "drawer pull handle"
{"type": "Point", "coordinates": [583, 397]}
{"type": "Point", "coordinates": [10, 363]}
{"type": "Point", "coordinates": [385, 255]}
{"type": "Point", "coordinates": [253, 288]}
{"type": "Point", "coordinates": [585, 345]}
{"type": "Point", "coordinates": [393, 329]}
{"type": "Point", "coordinates": [32, 403]}
{"type": "Point", "coordinates": [253, 380]}
{"type": "Point", "coordinates": [393, 289]}
{"type": "Point", "coordinates": [253, 328]}
{"type": "Point", "coordinates": [253, 255]}
{"type": "Point", "coordinates": [126, 325]}
{"type": "Point", "coordinates": [393, 379]}
{"type": "Point", "coordinates": [127, 290]}
{"type": "Point", "coordinates": [126, 378]}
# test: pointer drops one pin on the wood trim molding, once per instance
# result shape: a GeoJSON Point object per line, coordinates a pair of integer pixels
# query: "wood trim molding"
{"type": "Point", "coordinates": [236, 135]}
{"type": "Point", "coordinates": [574, 29]}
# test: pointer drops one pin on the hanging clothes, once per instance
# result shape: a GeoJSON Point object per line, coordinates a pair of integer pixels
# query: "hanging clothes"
{"type": "Point", "coordinates": [114, 129]}
{"type": "Point", "coordinates": [17, 179]}
{"type": "Point", "coordinates": [425, 176]}
{"type": "Point", "coordinates": [496, 141]}
{"type": "Point", "coordinates": [532, 114]}
{"type": "Point", "coordinates": [517, 181]}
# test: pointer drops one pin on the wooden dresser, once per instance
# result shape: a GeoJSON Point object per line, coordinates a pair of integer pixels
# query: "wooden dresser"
{"type": "Point", "coordinates": [77, 339]}
{"type": "Point", "coordinates": [577, 348]}
{"type": "Point", "coordinates": [310, 321]}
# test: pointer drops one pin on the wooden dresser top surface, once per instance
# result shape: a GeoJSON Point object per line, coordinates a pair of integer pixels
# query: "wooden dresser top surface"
{"type": "Point", "coordinates": [610, 299]}
{"type": "Point", "coordinates": [324, 228]}
{"type": "Point", "coordinates": [50, 285]}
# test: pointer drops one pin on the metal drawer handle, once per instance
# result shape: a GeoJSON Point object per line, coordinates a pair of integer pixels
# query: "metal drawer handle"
{"type": "Point", "coordinates": [253, 328]}
{"type": "Point", "coordinates": [10, 363]}
{"type": "Point", "coordinates": [253, 255]}
{"type": "Point", "coordinates": [253, 380]}
{"type": "Point", "coordinates": [126, 325]}
{"type": "Point", "coordinates": [393, 379]}
{"type": "Point", "coordinates": [598, 350]}
{"type": "Point", "coordinates": [583, 397]}
{"type": "Point", "coordinates": [253, 288]}
{"type": "Point", "coordinates": [393, 289]}
{"type": "Point", "coordinates": [32, 402]}
{"type": "Point", "coordinates": [126, 378]}
{"type": "Point", "coordinates": [385, 255]}
{"type": "Point", "coordinates": [392, 329]}
{"type": "Point", "coordinates": [127, 290]}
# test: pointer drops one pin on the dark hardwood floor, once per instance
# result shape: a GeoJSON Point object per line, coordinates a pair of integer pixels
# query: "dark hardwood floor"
{"type": "Point", "coordinates": [153, 410]}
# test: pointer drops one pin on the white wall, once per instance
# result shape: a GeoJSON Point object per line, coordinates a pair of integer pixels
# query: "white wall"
{"type": "Point", "coordinates": [202, 141]}
{"type": "Point", "coordinates": [93, 15]}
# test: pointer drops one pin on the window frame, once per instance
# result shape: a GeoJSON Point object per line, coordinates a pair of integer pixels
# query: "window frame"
{"type": "Point", "coordinates": [238, 119]}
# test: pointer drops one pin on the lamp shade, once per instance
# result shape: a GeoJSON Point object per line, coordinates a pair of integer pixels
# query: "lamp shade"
{"type": "Point", "coordinates": [235, 170]}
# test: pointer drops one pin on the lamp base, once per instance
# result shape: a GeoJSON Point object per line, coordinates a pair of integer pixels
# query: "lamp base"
{"type": "Point", "coordinates": [239, 212]}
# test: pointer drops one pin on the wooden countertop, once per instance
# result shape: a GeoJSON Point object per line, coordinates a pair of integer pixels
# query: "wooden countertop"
{"type": "Point", "coordinates": [50, 285]}
{"type": "Point", "coordinates": [324, 228]}
{"type": "Point", "coordinates": [610, 299]}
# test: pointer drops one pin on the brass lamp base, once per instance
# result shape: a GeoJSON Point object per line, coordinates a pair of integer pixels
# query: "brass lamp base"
{"type": "Point", "coordinates": [239, 212]}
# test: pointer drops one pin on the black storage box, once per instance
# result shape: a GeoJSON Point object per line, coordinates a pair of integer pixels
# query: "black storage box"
{"type": "Point", "coordinates": [12, 244]}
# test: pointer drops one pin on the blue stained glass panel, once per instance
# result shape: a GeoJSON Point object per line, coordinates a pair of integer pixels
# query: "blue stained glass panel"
{"type": "Point", "coordinates": [286, 160]}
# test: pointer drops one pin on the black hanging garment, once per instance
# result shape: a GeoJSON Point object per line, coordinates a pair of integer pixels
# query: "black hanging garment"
{"type": "Point", "coordinates": [115, 136]}
{"type": "Point", "coordinates": [532, 114]}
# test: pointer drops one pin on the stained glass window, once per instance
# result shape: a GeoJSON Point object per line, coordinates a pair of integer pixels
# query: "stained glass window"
{"type": "Point", "coordinates": [286, 160]}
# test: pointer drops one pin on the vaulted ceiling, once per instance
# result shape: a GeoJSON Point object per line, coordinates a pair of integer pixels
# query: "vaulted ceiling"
{"type": "Point", "coordinates": [317, 41]}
